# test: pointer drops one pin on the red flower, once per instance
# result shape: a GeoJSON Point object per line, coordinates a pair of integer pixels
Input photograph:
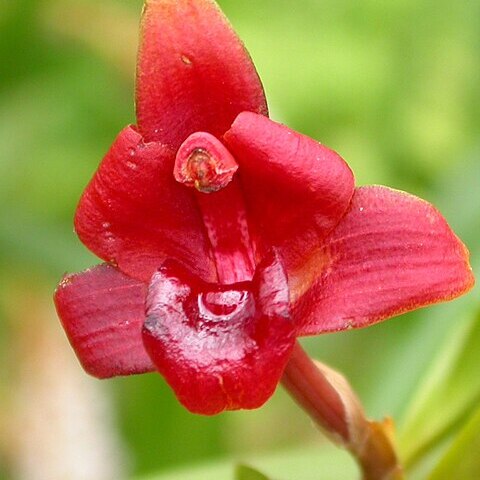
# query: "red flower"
{"type": "Point", "coordinates": [226, 235]}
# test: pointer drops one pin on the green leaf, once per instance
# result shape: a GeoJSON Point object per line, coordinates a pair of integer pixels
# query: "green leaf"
{"type": "Point", "coordinates": [462, 459]}
{"type": "Point", "coordinates": [450, 391]}
{"type": "Point", "coordinates": [242, 472]}
{"type": "Point", "coordinates": [326, 462]}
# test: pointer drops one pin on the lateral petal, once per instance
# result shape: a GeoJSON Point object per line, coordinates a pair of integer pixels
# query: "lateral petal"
{"type": "Point", "coordinates": [391, 253]}
{"type": "Point", "coordinates": [133, 212]}
{"type": "Point", "coordinates": [193, 72]}
{"type": "Point", "coordinates": [102, 311]}
{"type": "Point", "coordinates": [296, 189]}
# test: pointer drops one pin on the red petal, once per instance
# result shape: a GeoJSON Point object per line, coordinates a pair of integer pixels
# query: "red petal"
{"type": "Point", "coordinates": [296, 189]}
{"type": "Point", "coordinates": [102, 311]}
{"type": "Point", "coordinates": [193, 74]}
{"type": "Point", "coordinates": [391, 253]}
{"type": "Point", "coordinates": [135, 214]}
{"type": "Point", "coordinates": [220, 347]}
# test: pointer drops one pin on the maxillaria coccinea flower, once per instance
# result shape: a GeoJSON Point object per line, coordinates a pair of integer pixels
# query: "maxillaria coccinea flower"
{"type": "Point", "coordinates": [227, 235]}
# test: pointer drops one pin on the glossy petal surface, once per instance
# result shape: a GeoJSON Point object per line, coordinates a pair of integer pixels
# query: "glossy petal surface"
{"type": "Point", "coordinates": [135, 214]}
{"type": "Point", "coordinates": [193, 72]}
{"type": "Point", "coordinates": [391, 253]}
{"type": "Point", "coordinates": [102, 311]}
{"type": "Point", "coordinates": [296, 189]}
{"type": "Point", "coordinates": [220, 347]}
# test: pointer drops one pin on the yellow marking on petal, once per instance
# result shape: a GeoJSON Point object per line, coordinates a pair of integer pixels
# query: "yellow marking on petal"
{"type": "Point", "coordinates": [305, 275]}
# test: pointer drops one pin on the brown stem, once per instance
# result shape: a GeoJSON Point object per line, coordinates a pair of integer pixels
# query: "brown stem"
{"type": "Point", "coordinates": [328, 398]}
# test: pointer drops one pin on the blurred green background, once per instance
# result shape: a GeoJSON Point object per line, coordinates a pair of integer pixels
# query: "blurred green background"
{"type": "Point", "coordinates": [393, 86]}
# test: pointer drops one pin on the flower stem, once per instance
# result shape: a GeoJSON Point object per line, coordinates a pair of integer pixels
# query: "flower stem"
{"type": "Point", "coordinates": [330, 401]}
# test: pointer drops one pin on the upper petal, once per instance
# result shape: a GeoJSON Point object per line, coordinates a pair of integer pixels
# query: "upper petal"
{"type": "Point", "coordinates": [296, 189]}
{"type": "Point", "coordinates": [102, 312]}
{"type": "Point", "coordinates": [391, 253]}
{"type": "Point", "coordinates": [193, 72]}
{"type": "Point", "coordinates": [135, 214]}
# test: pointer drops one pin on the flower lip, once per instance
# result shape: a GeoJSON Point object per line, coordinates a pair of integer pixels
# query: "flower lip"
{"type": "Point", "coordinates": [213, 342]}
{"type": "Point", "coordinates": [204, 163]}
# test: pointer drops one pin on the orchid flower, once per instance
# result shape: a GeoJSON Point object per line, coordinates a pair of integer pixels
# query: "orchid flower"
{"type": "Point", "coordinates": [226, 235]}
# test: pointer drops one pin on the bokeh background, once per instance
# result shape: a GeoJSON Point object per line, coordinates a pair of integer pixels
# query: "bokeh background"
{"type": "Point", "coordinates": [393, 86]}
